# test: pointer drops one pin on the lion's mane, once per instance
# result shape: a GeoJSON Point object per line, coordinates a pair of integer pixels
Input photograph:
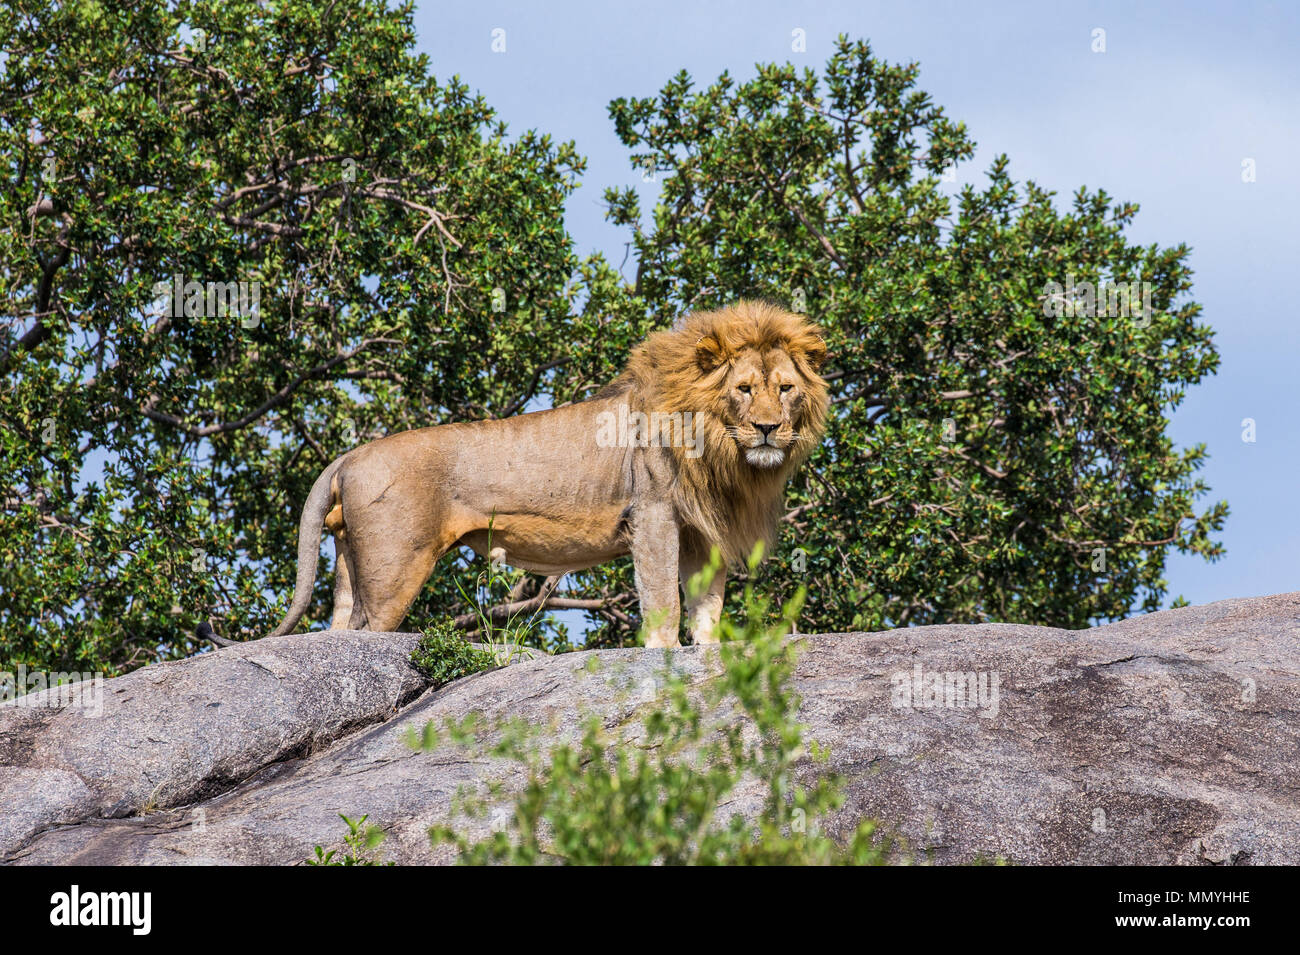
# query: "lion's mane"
{"type": "Point", "coordinates": [684, 369]}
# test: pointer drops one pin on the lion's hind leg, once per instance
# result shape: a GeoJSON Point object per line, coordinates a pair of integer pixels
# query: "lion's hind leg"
{"type": "Point", "coordinates": [388, 571]}
{"type": "Point", "coordinates": [386, 596]}
{"type": "Point", "coordinates": [344, 599]}
{"type": "Point", "coordinates": [348, 613]}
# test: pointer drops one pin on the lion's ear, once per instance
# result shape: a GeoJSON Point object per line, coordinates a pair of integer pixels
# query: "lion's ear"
{"type": "Point", "coordinates": [813, 347]}
{"type": "Point", "coordinates": [709, 352]}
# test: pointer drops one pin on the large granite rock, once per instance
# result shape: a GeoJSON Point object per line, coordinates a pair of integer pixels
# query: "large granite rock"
{"type": "Point", "coordinates": [1168, 738]}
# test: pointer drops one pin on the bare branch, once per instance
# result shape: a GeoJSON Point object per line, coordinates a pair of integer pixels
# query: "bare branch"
{"type": "Point", "coordinates": [277, 399]}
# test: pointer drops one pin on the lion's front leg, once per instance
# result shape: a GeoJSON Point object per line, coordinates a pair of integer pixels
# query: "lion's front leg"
{"type": "Point", "coordinates": [654, 558]}
{"type": "Point", "coordinates": [703, 608]}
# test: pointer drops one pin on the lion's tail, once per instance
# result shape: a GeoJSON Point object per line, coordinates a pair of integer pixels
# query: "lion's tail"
{"type": "Point", "coordinates": [309, 529]}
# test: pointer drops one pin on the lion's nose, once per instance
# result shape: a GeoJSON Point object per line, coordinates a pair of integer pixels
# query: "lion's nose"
{"type": "Point", "coordinates": [766, 429]}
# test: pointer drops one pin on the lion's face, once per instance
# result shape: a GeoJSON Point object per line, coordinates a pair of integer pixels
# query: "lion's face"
{"type": "Point", "coordinates": [765, 397]}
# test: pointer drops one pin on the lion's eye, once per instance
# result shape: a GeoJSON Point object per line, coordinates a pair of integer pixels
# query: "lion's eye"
{"type": "Point", "coordinates": [743, 389]}
{"type": "Point", "coordinates": [785, 388]}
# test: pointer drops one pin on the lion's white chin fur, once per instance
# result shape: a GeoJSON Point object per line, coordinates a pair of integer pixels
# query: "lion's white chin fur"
{"type": "Point", "coordinates": [765, 456]}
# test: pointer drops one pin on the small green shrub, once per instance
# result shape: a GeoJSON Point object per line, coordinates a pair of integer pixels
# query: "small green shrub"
{"type": "Point", "coordinates": [362, 843]}
{"type": "Point", "coordinates": [443, 655]}
{"type": "Point", "coordinates": [508, 635]}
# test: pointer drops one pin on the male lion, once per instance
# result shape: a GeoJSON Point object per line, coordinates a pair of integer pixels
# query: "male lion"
{"type": "Point", "coordinates": [688, 449]}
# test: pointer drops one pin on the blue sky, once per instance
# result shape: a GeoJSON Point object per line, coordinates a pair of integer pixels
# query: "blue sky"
{"type": "Point", "coordinates": [1164, 117]}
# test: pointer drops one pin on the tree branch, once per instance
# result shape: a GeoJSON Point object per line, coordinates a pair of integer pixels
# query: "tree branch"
{"type": "Point", "coordinates": [528, 392]}
{"type": "Point", "coordinates": [501, 612]}
{"type": "Point", "coordinates": [274, 401]}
